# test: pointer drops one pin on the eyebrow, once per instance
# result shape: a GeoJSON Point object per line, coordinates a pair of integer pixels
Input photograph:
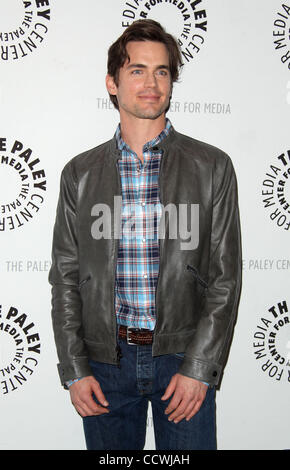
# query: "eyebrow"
{"type": "Point", "coordinates": [142, 66]}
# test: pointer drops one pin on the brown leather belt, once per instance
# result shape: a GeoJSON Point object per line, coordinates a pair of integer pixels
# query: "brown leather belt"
{"type": "Point", "coordinates": [135, 335]}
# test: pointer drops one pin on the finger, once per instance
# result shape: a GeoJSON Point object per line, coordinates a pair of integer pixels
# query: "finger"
{"type": "Point", "coordinates": [186, 413]}
{"type": "Point", "coordinates": [84, 410]}
{"type": "Point", "coordinates": [85, 402]}
{"type": "Point", "coordinates": [179, 410]}
{"type": "Point", "coordinates": [88, 395]}
{"type": "Point", "coordinates": [195, 410]}
{"type": "Point", "coordinates": [93, 407]}
{"type": "Point", "coordinates": [173, 404]}
{"type": "Point", "coordinates": [90, 400]}
{"type": "Point", "coordinates": [86, 405]}
{"type": "Point", "coordinates": [80, 410]}
{"type": "Point", "coordinates": [99, 394]}
{"type": "Point", "coordinates": [100, 410]}
{"type": "Point", "coordinates": [169, 389]}
{"type": "Point", "coordinates": [192, 408]}
{"type": "Point", "coordinates": [180, 418]}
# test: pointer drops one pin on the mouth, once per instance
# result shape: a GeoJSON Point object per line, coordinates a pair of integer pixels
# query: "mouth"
{"type": "Point", "coordinates": [150, 98]}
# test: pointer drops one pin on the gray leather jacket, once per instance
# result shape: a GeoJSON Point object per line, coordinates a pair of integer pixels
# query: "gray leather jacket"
{"type": "Point", "coordinates": [198, 289]}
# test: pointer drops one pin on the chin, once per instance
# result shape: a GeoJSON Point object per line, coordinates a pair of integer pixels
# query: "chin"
{"type": "Point", "coordinates": [149, 114]}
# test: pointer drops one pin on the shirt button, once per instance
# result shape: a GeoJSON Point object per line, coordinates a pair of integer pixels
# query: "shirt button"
{"type": "Point", "coordinates": [143, 204]}
{"type": "Point", "coordinates": [214, 373]}
{"type": "Point", "coordinates": [145, 276]}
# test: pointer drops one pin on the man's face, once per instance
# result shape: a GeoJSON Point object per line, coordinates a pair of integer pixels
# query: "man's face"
{"type": "Point", "coordinates": [144, 86]}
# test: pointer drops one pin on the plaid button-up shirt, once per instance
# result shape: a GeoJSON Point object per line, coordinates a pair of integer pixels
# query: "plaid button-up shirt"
{"type": "Point", "coordinates": [138, 255]}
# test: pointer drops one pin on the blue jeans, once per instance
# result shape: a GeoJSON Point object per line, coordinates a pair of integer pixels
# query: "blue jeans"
{"type": "Point", "coordinates": [128, 389]}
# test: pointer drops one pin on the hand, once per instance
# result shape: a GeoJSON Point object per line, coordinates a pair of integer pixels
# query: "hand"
{"type": "Point", "coordinates": [188, 397]}
{"type": "Point", "coordinates": [81, 397]}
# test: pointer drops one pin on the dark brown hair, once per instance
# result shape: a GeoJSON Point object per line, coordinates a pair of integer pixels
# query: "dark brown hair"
{"type": "Point", "coordinates": [142, 30]}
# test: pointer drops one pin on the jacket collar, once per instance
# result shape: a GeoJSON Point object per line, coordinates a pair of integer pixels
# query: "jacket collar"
{"type": "Point", "coordinates": [164, 145]}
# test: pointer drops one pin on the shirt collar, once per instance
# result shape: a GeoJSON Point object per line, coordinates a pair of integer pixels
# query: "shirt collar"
{"type": "Point", "coordinates": [152, 143]}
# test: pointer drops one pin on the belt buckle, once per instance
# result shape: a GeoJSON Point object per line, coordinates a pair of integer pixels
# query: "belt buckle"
{"type": "Point", "coordinates": [129, 329]}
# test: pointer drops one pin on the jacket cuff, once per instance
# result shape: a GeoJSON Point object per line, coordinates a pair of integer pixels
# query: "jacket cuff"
{"type": "Point", "coordinates": [77, 368]}
{"type": "Point", "coordinates": [208, 372]}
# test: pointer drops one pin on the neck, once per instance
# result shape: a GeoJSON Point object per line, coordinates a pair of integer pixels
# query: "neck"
{"type": "Point", "coordinates": [136, 132]}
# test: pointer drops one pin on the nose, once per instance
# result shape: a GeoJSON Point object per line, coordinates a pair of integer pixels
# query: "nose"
{"type": "Point", "coordinates": [150, 80]}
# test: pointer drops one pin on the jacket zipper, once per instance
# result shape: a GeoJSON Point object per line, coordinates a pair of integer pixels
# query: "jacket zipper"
{"type": "Point", "coordinates": [159, 242]}
{"type": "Point", "coordinates": [117, 347]}
{"type": "Point", "coordinates": [197, 276]}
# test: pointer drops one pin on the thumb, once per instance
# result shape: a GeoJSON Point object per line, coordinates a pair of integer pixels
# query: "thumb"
{"type": "Point", "coordinates": [170, 388]}
{"type": "Point", "coordinates": [99, 394]}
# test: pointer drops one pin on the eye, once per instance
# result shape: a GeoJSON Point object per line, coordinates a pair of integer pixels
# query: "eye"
{"type": "Point", "coordinates": [136, 72]}
{"type": "Point", "coordinates": [163, 72]}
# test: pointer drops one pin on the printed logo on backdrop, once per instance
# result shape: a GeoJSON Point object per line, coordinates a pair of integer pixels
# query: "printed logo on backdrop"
{"type": "Point", "coordinates": [189, 20]}
{"type": "Point", "coordinates": [276, 191]}
{"type": "Point", "coordinates": [23, 27]}
{"type": "Point", "coordinates": [19, 349]}
{"type": "Point", "coordinates": [281, 34]}
{"type": "Point", "coordinates": [271, 343]}
{"type": "Point", "coordinates": [23, 184]}
{"type": "Point", "coordinates": [288, 92]}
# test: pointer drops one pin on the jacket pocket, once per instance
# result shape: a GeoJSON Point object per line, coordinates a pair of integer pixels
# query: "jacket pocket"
{"type": "Point", "coordinates": [84, 281]}
{"type": "Point", "coordinates": [194, 271]}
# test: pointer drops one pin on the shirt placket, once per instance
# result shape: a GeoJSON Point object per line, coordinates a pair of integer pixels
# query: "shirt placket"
{"type": "Point", "coordinates": [140, 256]}
{"type": "Point", "coordinates": [141, 241]}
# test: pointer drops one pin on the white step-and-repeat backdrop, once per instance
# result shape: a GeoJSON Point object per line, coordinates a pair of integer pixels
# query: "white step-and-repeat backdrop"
{"type": "Point", "coordinates": [234, 93]}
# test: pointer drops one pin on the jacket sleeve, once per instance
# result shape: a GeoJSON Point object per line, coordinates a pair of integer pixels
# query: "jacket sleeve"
{"type": "Point", "coordinates": [64, 278]}
{"type": "Point", "coordinates": [206, 354]}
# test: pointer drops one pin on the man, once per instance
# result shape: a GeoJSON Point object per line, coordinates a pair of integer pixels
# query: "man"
{"type": "Point", "coordinates": [138, 315]}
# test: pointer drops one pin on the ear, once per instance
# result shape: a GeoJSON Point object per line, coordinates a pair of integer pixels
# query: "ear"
{"type": "Point", "coordinates": [110, 84]}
